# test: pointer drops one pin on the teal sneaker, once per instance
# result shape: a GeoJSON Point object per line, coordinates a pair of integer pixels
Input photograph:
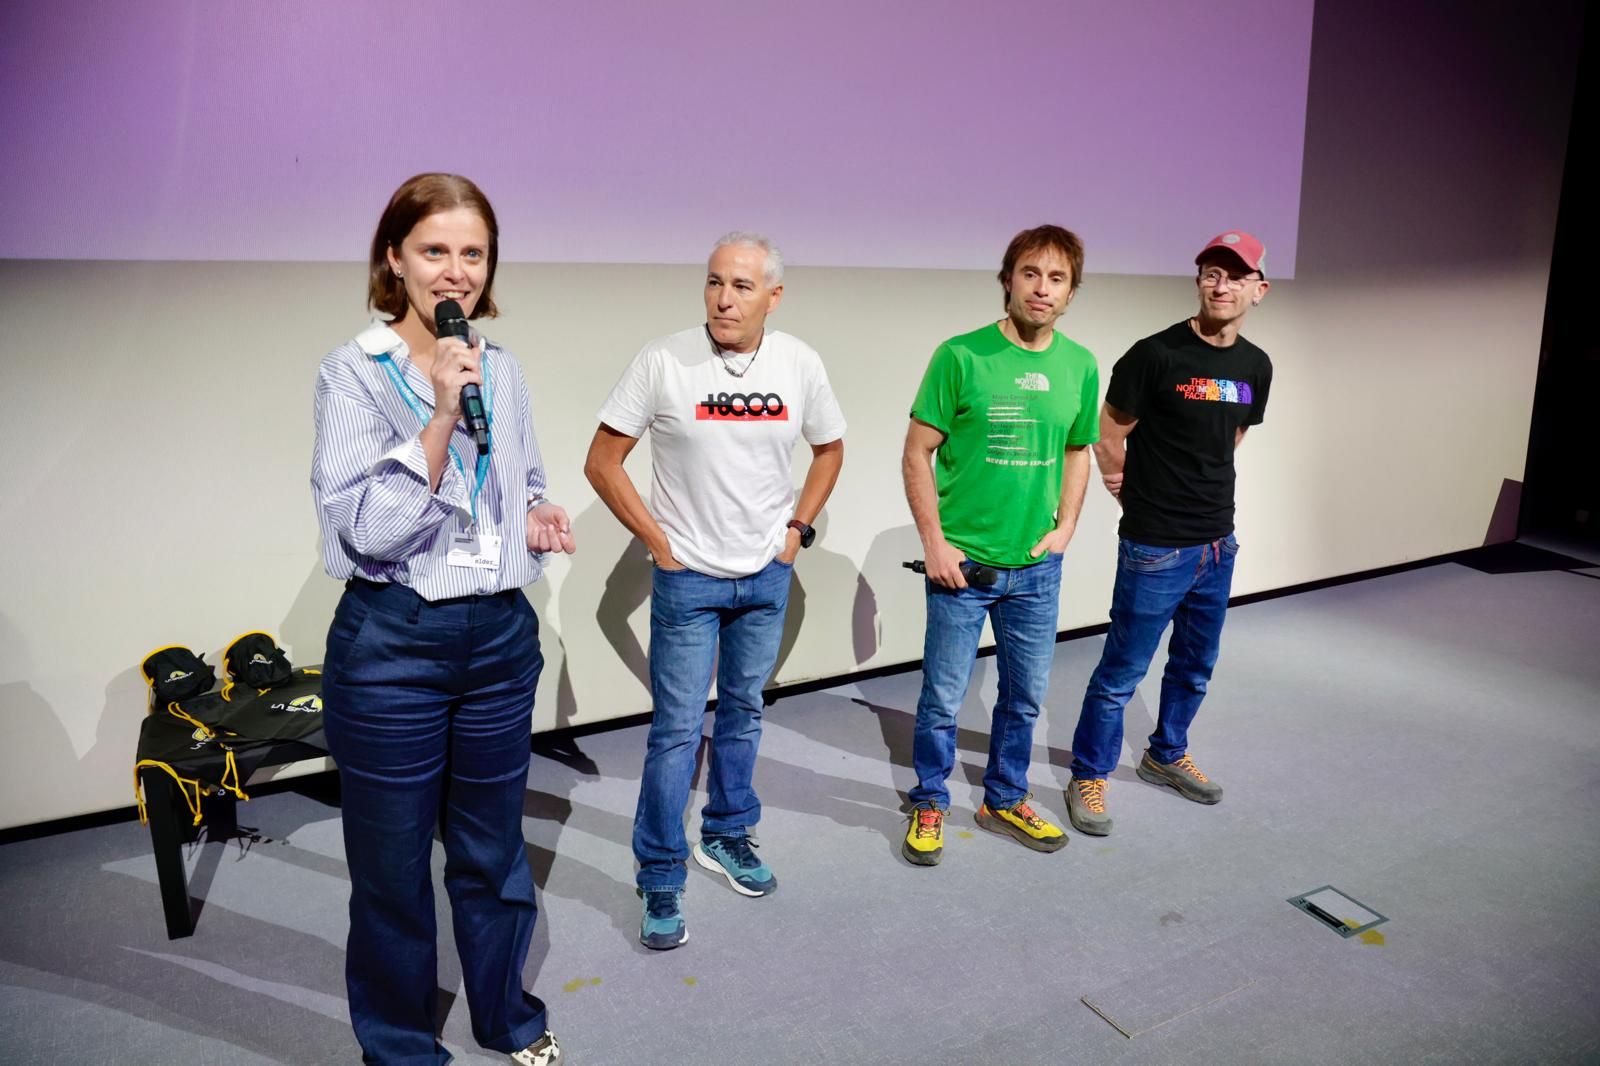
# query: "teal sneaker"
{"type": "Point", "coordinates": [662, 928]}
{"type": "Point", "coordinates": [735, 859]}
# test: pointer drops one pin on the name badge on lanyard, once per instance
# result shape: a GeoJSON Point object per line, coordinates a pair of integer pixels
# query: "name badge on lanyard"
{"type": "Point", "coordinates": [480, 551]}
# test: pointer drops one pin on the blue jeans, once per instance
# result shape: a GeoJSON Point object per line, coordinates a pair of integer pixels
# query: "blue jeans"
{"type": "Point", "coordinates": [691, 614]}
{"type": "Point", "coordinates": [428, 712]}
{"type": "Point", "coordinates": [1021, 608]}
{"type": "Point", "coordinates": [1187, 587]}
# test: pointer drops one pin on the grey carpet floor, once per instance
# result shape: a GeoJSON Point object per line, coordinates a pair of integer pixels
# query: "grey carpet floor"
{"type": "Point", "coordinates": [1428, 742]}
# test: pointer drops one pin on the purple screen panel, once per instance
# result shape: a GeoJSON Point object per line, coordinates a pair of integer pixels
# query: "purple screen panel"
{"type": "Point", "coordinates": [860, 133]}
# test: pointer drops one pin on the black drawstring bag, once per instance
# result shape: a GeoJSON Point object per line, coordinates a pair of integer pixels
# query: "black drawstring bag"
{"type": "Point", "coordinates": [290, 711]}
{"type": "Point", "coordinates": [175, 673]}
{"type": "Point", "coordinates": [255, 661]}
{"type": "Point", "coordinates": [200, 761]}
{"type": "Point", "coordinates": [210, 742]}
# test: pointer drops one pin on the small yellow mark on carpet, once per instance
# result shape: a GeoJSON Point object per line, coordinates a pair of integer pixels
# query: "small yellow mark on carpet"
{"type": "Point", "coordinates": [578, 982]}
{"type": "Point", "coordinates": [691, 981]}
{"type": "Point", "coordinates": [964, 834]}
{"type": "Point", "coordinates": [1371, 936]}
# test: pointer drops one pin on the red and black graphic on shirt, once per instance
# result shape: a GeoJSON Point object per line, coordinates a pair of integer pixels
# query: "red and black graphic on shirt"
{"type": "Point", "coordinates": [741, 407]}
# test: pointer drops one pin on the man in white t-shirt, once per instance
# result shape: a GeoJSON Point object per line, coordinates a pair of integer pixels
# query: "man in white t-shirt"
{"type": "Point", "coordinates": [725, 403]}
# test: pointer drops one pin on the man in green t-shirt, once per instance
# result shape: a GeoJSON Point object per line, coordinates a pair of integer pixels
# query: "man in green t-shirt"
{"type": "Point", "coordinates": [996, 461]}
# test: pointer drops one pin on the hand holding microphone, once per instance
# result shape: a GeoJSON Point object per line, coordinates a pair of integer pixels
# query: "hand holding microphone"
{"type": "Point", "coordinates": [450, 321]}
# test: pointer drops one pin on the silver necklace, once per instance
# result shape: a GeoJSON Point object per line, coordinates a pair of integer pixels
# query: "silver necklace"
{"type": "Point", "coordinates": [727, 363]}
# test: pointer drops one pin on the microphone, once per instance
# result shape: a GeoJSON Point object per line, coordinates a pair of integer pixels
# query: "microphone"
{"type": "Point", "coordinates": [977, 575]}
{"type": "Point", "coordinates": [450, 321]}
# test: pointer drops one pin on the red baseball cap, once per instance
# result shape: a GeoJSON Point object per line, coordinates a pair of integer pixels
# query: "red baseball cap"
{"type": "Point", "coordinates": [1241, 244]}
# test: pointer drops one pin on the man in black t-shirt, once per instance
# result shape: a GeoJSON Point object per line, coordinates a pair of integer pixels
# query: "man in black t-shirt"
{"type": "Point", "coordinates": [1178, 406]}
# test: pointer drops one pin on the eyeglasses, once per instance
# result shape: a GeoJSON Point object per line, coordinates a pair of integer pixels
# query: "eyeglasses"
{"type": "Point", "coordinates": [1212, 278]}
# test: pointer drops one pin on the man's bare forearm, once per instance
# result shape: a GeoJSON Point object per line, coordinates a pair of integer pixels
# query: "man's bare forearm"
{"type": "Point", "coordinates": [1111, 451]}
{"type": "Point", "coordinates": [922, 496]}
{"type": "Point", "coordinates": [611, 483]}
{"type": "Point", "coordinates": [1074, 483]}
{"type": "Point", "coordinates": [616, 489]}
{"type": "Point", "coordinates": [1111, 455]}
{"type": "Point", "coordinates": [826, 462]}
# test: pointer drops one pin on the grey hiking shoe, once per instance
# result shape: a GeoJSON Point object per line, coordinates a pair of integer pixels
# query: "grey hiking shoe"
{"type": "Point", "coordinates": [1086, 806]}
{"type": "Point", "coordinates": [1182, 775]}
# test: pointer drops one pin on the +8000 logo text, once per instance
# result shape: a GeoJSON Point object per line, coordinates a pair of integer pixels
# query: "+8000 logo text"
{"type": "Point", "coordinates": [741, 406]}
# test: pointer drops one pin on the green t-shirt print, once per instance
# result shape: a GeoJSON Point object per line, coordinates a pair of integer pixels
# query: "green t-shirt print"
{"type": "Point", "coordinates": [1008, 416]}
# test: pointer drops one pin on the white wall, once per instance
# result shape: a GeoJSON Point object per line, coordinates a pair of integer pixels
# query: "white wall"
{"type": "Point", "coordinates": [170, 503]}
{"type": "Point", "coordinates": [155, 417]}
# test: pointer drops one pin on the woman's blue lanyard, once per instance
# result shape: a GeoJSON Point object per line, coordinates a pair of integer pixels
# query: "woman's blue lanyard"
{"type": "Point", "coordinates": [421, 412]}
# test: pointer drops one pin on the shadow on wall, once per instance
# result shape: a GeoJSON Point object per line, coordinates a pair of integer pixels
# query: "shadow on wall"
{"type": "Point", "coordinates": [625, 590]}
{"type": "Point", "coordinates": [36, 738]}
{"type": "Point", "coordinates": [823, 640]}
{"type": "Point", "coordinates": [554, 650]}
{"type": "Point", "coordinates": [1503, 520]}
{"type": "Point", "coordinates": [304, 629]}
{"type": "Point", "coordinates": [594, 602]}
{"type": "Point", "coordinates": [116, 743]}
{"type": "Point", "coordinates": [883, 569]}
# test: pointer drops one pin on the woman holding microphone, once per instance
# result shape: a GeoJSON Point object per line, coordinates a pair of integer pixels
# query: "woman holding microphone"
{"type": "Point", "coordinates": [433, 655]}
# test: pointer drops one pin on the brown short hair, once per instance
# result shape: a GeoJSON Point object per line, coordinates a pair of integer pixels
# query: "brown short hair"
{"type": "Point", "coordinates": [419, 197]}
{"type": "Point", "coordinates": [1038, 239]}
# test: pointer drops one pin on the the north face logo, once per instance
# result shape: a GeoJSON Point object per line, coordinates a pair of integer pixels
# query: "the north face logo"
{"type": "Point", "coordinates": [177, 675]}
{"type": "Point", "coordinates": [1033, 382]}
{"type": "Point", "coordinates": [259, 659]}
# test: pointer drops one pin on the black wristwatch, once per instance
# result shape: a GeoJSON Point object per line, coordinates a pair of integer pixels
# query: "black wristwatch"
{"type": "Point", "coordinates": [807, 533]}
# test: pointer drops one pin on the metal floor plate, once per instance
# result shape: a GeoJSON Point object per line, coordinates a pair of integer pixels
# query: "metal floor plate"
{"type": "Point", "coordinates": [1342, 913]}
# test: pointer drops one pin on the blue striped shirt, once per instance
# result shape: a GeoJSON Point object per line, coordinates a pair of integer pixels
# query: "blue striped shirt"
{"type": "Point", "coordinates": [369, 476]}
